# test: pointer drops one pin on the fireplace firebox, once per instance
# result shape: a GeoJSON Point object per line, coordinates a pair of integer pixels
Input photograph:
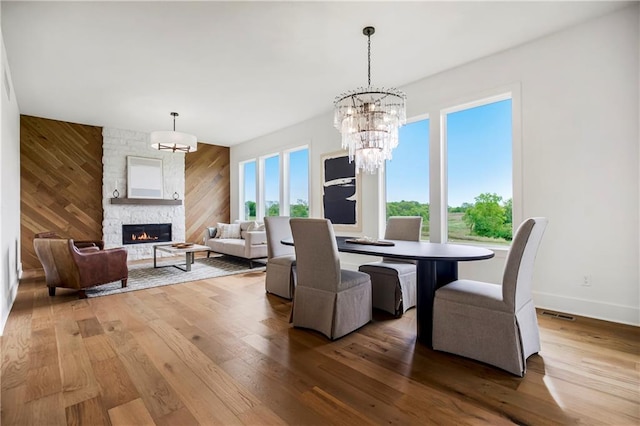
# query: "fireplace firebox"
{"type": "Point", "coordinates": [146, 233]}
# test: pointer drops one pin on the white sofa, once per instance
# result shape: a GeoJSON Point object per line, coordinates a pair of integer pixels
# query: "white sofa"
{"type": "Point", "coordinates": [251, 245]}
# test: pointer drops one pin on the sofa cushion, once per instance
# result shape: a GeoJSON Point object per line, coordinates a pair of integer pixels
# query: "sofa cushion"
{"type": "Point", "coordinates": [227, 230]}
{"type": "Point", "coordinates": [255, 226]}
{"type": "Point", "coordinates": [212, 230]}
{"type": "Point", "coordinates": [232, 247]}
{"type": "Point", "coordinates": [249, 226]}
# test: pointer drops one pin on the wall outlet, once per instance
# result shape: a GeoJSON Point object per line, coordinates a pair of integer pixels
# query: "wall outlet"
{"type": "Point", "coordinates": [586, 280]}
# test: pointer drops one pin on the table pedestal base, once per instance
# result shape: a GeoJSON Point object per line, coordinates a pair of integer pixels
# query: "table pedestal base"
{"type": "Point", "coordinates": [432, 275]}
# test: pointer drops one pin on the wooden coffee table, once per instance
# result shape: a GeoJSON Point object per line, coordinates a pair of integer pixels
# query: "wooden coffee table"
{"type": "Point", "coordinates": [189, 253]}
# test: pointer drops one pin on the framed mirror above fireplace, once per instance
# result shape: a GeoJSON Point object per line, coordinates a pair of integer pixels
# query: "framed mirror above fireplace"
{"type": "Point", "coordinates": [144, 177]}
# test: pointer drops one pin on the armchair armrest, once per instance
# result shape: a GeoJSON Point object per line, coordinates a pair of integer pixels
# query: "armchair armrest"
{"type": "Point", "coordinates": [101, 266]}
{"type": "Point", "coordinates": [255, 237]}
{"type": "Point", "coordinates": [85, 244]}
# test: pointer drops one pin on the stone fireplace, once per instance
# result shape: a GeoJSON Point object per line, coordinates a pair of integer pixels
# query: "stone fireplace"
{"type": "Point", "coordinates": [117, 145]}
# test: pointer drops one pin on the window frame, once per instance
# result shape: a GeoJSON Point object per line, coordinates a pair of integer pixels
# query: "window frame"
{"type": "Point", "coordinates": [284, 184]}
{"type": "Point", "coordinates": [261, 211]}
{"type": "Point", "coordinates": [285, 209]}
{"type": "Point", "coordinates": [241, 187]}
{"type": "Point", "coordinates": [382, 181]}
{"type": "Point", "coordinates": [438, 176]}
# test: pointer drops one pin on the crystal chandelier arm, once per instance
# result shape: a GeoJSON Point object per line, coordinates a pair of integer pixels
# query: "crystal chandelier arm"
{"type": "Point", "coordinates": [369, 58]}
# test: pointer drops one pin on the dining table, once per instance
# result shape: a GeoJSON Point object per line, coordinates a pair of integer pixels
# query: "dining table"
{"type": "Point", "coordinates": [436, 266]}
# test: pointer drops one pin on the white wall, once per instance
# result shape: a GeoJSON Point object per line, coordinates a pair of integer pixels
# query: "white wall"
{"type": "Point", "coordinates": [580, 160]}
{"type": "Point", "coordinates": [10, 265]}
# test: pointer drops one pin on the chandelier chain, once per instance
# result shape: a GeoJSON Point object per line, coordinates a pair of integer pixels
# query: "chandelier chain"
{"type": "Point", "coordinates": [369, 58]}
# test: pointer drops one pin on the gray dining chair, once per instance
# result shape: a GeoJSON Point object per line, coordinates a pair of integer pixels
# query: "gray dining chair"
{"type": "Point", "coordinates": [327, 299]}
{"type": "Point", "coordinates": [491, 323]}
{"type": "Point", "coordinates": [281, 259]}
{"type": "Point", "coordinates": [393, 281]}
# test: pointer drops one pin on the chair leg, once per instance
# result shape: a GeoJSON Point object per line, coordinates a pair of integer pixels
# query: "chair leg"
{"type": "Point", "coordinates": [82, 294]}
{"type": "Point", "coordinates": [52, 291]}
{"type": "Point", "coordinates": [250, 264]}
{"type": "Point", "coordinates": [124, 283]}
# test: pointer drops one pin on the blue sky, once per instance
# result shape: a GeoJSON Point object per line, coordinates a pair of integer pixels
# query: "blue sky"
{"type": "Point", "coordinates": [299, 163]}
{"type": "Point", "coordinates": [479, 156]}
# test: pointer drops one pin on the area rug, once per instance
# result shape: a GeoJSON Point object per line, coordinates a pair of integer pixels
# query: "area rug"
{"type": "Point", "coordinates": [144, 276]}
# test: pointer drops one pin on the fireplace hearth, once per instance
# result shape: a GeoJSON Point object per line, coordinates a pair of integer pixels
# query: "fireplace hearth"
{"type": "Point", "coordinates": [146, 233]}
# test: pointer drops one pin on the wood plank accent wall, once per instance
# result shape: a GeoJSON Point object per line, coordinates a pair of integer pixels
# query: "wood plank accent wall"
{"type": "Point", "coordinates": [61, 182]}
{"type": "Point", "coordinates": [208, 189]}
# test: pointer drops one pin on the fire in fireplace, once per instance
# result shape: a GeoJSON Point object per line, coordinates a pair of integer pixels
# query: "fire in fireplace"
{"type": "Point", "coordinates": [146, 233]}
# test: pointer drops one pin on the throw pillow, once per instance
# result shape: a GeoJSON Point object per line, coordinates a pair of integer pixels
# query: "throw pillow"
{"type": "Point", "coordinates": [255, 226]}
{"type": "Point", "coordinates": [227, 230]}
{"type": "Point", "coordinates": [212, 231]}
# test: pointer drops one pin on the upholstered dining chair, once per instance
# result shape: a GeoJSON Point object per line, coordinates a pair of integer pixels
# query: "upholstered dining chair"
{"type": "Point", "coordinates": [393, 281]}
{"type": "Point", "coordinates": [494, 324]}
{"type": "Point", "coordinates": [65, 265]}
{"type": "Point", "coordinates": [327, 299]}
{"type": "Point", "coordinates": [281, 259]}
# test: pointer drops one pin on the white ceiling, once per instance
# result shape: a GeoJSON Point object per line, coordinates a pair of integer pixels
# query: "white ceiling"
{"type": "Point", "coordinates": [238, 70]}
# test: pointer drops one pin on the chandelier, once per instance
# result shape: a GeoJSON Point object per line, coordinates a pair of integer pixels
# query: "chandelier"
{"type": "Point", "coordinates": [167, 140]}
{"type": "Point", "coordinates": [369, 119]}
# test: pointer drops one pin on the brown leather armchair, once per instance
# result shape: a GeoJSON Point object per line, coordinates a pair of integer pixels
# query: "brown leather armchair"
{"type": "Point", "coordinates": [65, 265]}
{"type": "Point", "coordinates": [89, 244]}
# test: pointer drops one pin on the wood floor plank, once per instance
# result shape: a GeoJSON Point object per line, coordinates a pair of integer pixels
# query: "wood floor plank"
{"type": "Point", "coordinates": [13, 403]}
{"type": "Point", "coordinates": [234, 396]}
{"type": "Point", "coordinates": [262, 376]}
{"type": "Point", "coordinates": [580, 400]}
{"type": "Point", "coordinates": [222, 351]}
{"type": "Point", "coordinates": [424, 402]}
{"type": "Point", "coordinates": [48, 410]}
{"type": "Point", "coordinates": [182, 417]}
{"type": "Point", "coordinates": [16, 347]}
{"type": "Point", "coordinates": [43, 381]}
{"type": "Point", "coordinates": [158, 396]}
{"type": "Point", "coordinates": [332, 407]}
{"type": "Point", "coordinates": [131, 413]}
{"type": "Point", "coordinates": [205, 405]}
{"type": "Point", "coordinates": [88, 412]}
{"type": "Point", "coordinates": [260, 415]}
{"type": "Point", "coordinates": [98, 348]}
{"type": "Point", "coordinates": [370, 405]}
{"type": "Point", "coordinates": [116, 387]}
{"type": "Point", "coordinates": [78, 380]}
{"type": "Point", "coordinates": [90, 327]}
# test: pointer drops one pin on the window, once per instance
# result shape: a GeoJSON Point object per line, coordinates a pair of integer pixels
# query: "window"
{"type": "Point", "coordinates": [299, 183]}
{"type": "Point", "coordinates": [275, 184]}
{"type": "Point", "coordinates": [479, 172]}
{"type": "Point", "coordinates": [407, 175]}
{"type": "Point", "coordinates": [248, 188]}
{"type": "Point", "coordinates": [271, 206]}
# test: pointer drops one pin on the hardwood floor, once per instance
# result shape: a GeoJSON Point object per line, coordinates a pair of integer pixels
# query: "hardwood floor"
{"type": "Point", "coordinates": [221, 351]}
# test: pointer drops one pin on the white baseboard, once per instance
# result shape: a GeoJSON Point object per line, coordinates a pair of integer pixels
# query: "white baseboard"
{"type": "Point", "coordinates": [11, 297]}
{"type": "Point", "coordinates": [588, 308]}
